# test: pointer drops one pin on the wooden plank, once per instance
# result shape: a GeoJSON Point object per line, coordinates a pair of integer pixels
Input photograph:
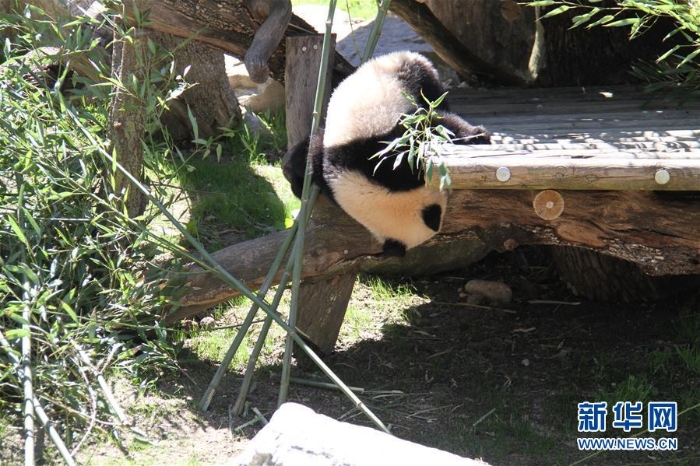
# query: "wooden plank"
{"type": "Point", "coordinates": [649, 148]}
{"type": "Point", "coordinates": [510, 100]}
{"type": "Point", "coordinates": [572, 170]}
{"type": "Point", "coordinates": [576, 150]}
{"type": "Point", "coordinates": [323, 303]}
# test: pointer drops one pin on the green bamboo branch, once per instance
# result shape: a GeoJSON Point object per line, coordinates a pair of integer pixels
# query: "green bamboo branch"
{"type": "Point", "coordinates": [222, 274]}
{"type": "Point", "coordinates": [243, 330]}
{"type": "Point", "coordinates": [253, 358]}
{"type": "Point", "coordinates": [377, 27]}
{"type": "Point", "coordinates": [25, 368]}
{"type": "Point", "coordinates": [305, 206]}
{"type": "Point", "coordinates": [38, 408]}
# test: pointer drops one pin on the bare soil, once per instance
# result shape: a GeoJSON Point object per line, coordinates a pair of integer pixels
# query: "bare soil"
{"type": "Point", "coordinates": [497, 382]}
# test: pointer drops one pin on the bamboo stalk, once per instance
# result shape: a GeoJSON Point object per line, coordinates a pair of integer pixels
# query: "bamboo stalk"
{"type": "Point", "coordinates": [305, 207]}
{"type": "Point", "coordinates": [244, 327]}
{"type": "Point", "coordinates": [221, 273]}
{"type": "Point", "coordinates": [318, 384]}
{"type": "Point", "coordinates": [109, 396]}
{"type": "Point", "coordinates": [26, 372]}
{"type": "Point", "coordinates": [260, 417]}
{"type": "Point", "coordinates": [41, 414]}
{"type": "Point", "coordinates": [53, 433]}
{"type": "Point", "coordinates": [376, 30]}
{"type": "Point", "coordinates": [253, 359]}
{"type": "Point", "coordinates": [243, 330]}
{"type": "Point", "coordinates": [25, 368]}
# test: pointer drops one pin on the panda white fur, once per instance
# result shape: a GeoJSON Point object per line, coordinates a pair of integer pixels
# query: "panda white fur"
{"type": "Point", "coordinates": [363, 115]}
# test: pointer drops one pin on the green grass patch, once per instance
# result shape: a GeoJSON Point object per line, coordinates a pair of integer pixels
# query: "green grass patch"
{"type": "Point", "coordinates": [211, 344]}
{"type": "Point", "coordinates": [234, 192]}
{"type": "Point", "coordinates": [358, 9]}
{"type": "Point", "coordinates": [230, 197]}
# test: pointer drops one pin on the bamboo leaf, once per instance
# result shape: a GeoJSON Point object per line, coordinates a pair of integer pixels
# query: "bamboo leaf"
{"type": "Point", "coordinates": [668, 53]}
{"type": "Point", "coordinates": [398, 160]}
{"type": "Point", "coordinates": [557, 11]}
{"type": "Point", "coordinates": [69, 310]}
{"type": "Point", "coordinates": [623, 22]}
{"type": "Point", "coordinates": [604, 20]}
{"type": "Point", "coordinates": [17, 333]}
{"type": "Point", "coordinates": [690, 57]}
{"type": "Point", "coordinates": [17, 230]}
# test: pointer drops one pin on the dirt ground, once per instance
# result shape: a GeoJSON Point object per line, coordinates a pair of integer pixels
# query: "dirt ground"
{"type": "Point", "coordinates": [500, 383]}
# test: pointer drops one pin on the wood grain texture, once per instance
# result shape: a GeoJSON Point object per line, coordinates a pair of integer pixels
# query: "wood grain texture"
{"type": "Point", "coordinates": [225, 24]}
{"type": "Point", "coordinates": [472, 168]}
{"type": "Point", "coordinates": [303, 61]}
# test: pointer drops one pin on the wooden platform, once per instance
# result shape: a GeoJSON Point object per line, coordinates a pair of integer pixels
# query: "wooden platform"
{"type": "Point", "coordinates": [613, 138]}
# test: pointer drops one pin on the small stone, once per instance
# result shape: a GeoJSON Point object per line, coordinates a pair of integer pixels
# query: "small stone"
{"type": "Point", "coordinates": [207, 322]}
{"type": "Point", "coordinates": [496, 292]}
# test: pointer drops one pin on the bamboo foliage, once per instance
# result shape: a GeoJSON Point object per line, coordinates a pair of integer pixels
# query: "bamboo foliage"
{"type": "Point", "coordinates": [675, 70]}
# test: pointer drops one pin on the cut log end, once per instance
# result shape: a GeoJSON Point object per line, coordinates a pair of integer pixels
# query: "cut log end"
{"type": "Point", "coordinates": [548, 204]}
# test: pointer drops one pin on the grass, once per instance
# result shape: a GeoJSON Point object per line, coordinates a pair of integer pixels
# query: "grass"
{"type": "Point", "coordinates": [239, 194]}
{"type": "Point", "coordinates": [211, 344]}
{"type": "Point", "coordinates": [358, 9]}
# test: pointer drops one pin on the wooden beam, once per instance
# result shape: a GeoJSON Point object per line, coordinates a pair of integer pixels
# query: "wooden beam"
{"type": "Point", "coordinates": [572, 169]}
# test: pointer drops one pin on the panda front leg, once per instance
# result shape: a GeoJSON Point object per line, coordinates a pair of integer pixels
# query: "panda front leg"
{"type": "Point", "coordinates": [393, 248]}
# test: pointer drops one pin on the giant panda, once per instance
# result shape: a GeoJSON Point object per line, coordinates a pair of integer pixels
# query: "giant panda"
{"type": "Point", "coordinates": [363, 115]}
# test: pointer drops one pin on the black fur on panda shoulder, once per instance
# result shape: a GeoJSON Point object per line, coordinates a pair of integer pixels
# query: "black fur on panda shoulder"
{"type": "Point", "coordinates": [401, 178]}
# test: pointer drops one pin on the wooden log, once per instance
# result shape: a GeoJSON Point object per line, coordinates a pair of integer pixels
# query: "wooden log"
{"type": "Point", "coordinates": [500, 32]}
{"type": "Point", "coordinates": [656, 230]}
{"type": "Point", "coordinates": [322, 306]}
{"type": "Point", "coordinates": [296, 436]}
{"type": "Point", "coordinates": [464, 60]}
{"type": "Point", "coordinates": [225, 24]}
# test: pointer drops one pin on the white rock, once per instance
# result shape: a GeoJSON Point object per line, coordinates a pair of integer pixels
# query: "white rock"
{"type": "Point", "coordinates": [297, 436]}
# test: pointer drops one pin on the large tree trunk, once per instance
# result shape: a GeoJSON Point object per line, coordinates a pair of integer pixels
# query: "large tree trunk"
{"type": "Point", "coordinates": [210, 99]}
{"type": "Point", "coordinates": [127, 119]}
{"type": "Point", "coordinates": [468, 61]}
{"type": "Point", "coordinates": [501, 41]}
{"type": "Point", "coordinates": [599, 55]}
{"type": "Point", "coordinates": [599, 277]}
{"type": "Point", "coordinates": [501, 32]}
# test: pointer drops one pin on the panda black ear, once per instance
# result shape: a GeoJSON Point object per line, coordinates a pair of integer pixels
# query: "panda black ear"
{"type": "Point", "coordinates": [294, 162]}
{"type": "Point", "coordinates": [464, 133]}
{"type": "Point", "coordinates": [294, 165]}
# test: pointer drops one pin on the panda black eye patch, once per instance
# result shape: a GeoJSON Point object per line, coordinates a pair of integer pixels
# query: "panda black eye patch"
{"type": "Point", "coordinates": [432, 215]}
